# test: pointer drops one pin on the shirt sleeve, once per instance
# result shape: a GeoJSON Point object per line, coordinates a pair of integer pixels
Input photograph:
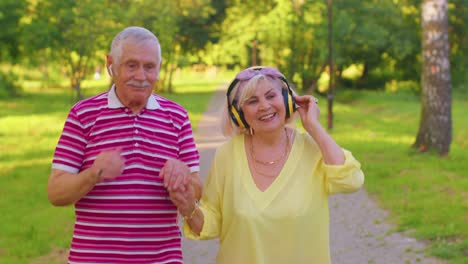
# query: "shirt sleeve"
{"type": "Point", "coordinates": [210, 207]}
{"type": "Point", "coordinates": [345, 178]}
{"type": "Point", "coordinates": [69, 153]}
{"type": "Point", "coordinates": [188, 152]}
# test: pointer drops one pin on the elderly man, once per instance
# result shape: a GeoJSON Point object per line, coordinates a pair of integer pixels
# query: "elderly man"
{"type": "Point", "coordinates": [120, 154]}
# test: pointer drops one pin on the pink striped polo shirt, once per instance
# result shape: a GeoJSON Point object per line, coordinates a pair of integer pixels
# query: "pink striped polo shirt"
{"type": "Point", "coordinates": [129, 219]}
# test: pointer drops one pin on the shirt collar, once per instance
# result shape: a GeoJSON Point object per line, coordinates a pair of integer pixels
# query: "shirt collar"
{"type": "Point", "coordinates": [114, 102]}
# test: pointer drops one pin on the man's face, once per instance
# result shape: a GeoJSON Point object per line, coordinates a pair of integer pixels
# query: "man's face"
{"type": "Point", "coordinates": [136, 73]}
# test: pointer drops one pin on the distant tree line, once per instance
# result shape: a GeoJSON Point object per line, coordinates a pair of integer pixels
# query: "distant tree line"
{"type": "Point", "coordinates": [380, 38]}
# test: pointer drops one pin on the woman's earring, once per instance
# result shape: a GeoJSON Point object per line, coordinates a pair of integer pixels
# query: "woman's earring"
{"type": "Point", "coordinates": [251, 131]}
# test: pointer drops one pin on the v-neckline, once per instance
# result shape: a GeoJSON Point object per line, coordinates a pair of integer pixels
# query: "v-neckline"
{"type": "Point", "coordinates": [263, 198]}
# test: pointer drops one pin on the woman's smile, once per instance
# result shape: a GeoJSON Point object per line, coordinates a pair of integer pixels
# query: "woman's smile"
{"type": "Point", "coordinates": [267, 117]}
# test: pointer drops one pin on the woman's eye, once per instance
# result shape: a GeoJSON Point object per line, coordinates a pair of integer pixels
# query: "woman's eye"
{"type": "Point", "coordinates": [251, 102]}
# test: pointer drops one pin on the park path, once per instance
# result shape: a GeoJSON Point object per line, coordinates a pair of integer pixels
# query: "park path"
{"type": "Point", "coordinates": [359, 232]}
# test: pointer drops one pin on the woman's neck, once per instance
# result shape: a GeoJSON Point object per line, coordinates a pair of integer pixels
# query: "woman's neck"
{"type": "Point", "coordinates": [269, 138]}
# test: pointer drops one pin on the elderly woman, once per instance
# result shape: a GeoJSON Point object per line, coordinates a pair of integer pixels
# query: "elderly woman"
{"type": "Point", "coordinates": [266, 195]}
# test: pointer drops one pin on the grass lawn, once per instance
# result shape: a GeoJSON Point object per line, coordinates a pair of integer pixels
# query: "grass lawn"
{"type": "Point", "coordinates": [427, 195]}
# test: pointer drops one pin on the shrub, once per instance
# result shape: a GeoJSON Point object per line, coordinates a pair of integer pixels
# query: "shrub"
{"type": "Point", "coordinates": [8, 85]}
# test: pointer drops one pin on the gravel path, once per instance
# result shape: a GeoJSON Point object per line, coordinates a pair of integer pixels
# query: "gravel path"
{"type": "Point", "coordinates": [359, 233]}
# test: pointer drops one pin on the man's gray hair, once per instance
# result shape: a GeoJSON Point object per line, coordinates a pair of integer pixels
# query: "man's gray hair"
{"type": "Point", "coordinates": [137, 34]}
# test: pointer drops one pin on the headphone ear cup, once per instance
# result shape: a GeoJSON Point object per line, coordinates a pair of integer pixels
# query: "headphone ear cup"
{"type": "Point", "coordinates": [243, 121]}
{"type": "Point", "coordinates": [289, 102]}
{"type": "Point", "coordinates": [237, 117]}
{"type": "Point", "coordinates": [234, 115]}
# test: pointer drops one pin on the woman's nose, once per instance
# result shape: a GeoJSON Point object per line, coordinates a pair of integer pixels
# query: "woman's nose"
{"type": "Point", "coordinates": [264, 105]}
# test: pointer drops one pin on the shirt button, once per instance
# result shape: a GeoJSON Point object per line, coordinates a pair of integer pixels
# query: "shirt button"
{"type": "Point", "coordinates": [136, 131]}
{"type": "Point", "coordinates": [136, 144]}
{"type": "Point", "coordinates": [126, 110]}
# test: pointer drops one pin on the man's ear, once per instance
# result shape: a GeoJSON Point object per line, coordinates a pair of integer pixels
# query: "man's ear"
{"type": "Point", "coordinates": [110, 70]}
{"type": "Point", "coordinates": [109, 66]}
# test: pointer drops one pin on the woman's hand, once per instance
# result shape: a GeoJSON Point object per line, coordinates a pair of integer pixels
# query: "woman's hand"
{"type": "Point", "coordinates": [184, 199]}
{"type": "Point", "coordinates": [308, 110]}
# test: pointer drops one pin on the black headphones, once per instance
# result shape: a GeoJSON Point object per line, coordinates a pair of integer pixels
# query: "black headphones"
{"type": "Point", "coordinates": [237, 115]}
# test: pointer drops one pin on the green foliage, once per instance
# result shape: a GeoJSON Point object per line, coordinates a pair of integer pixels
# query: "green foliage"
{"type": "Point", "coordinates": [75, 34]}
{"type": "Point", "coordinates": [384, 36]}
{"type": "Point", "coordinates": [11, 12]}
{"type": "Point", "coordinates": [458, 38]}
{"type": "Point", "coordinates": [8, 85]}
{"type": "Point", "coordinates": [389, 43]}
{"type": "Point", "coordinates": [394, 86]}
{"type": "Point", "coordinates": [292, 35]}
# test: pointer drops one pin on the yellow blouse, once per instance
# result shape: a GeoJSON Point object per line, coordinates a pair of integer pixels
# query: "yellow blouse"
{"type": "Point", "coordinates": [286, 223]}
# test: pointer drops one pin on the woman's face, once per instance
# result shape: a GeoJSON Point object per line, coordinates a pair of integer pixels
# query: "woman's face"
{"type": "Point", "coordinates": [264, 111]}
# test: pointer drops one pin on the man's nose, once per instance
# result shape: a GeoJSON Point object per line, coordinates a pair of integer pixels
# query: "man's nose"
{"type": "Point", "coordinates": [140, 74]}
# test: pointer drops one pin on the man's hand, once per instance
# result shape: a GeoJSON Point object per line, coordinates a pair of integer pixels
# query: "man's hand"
{"type": "Point", "coordinates": [109, 164]}
{"type": "Point", "coordinates": [176, 175]}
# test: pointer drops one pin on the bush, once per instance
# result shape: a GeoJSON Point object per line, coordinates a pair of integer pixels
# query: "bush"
{"type": "Point", "coordinates": [8, 85]}
{"type": "Point", "coordinates": [394, 86]}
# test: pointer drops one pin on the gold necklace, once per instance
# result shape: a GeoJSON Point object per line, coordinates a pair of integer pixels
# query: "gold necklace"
{"type": "Point", "coordinates": [273, 161]}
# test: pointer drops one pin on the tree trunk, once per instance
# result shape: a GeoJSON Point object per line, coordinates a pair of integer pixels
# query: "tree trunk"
{"type": "Point", "coordinates": [77, 88]}
{"type": "Point", "coordinates": [170, 88]}
{"type": "Point", "coordinates": [331, 72]}
{"type": "Point", "coordinates": [435, 128]}
{"type": "Point", "coordinates": [364, 75]}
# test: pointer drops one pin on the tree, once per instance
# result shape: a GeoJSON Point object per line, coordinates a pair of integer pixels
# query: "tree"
{"type": "Point", "coordinates": [11, 12]}
{"type": "Point", "coordinates": [74, 33]}
{"type": "Point", "coordinates": [435, 128]}
{"type": "Point", "coordinates": [381, 36]}
{"type": "Point", "coordinates": [286, 34]}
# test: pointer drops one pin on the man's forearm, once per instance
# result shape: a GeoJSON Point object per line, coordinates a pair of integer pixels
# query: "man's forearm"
{"type": "Point", "coordinates": [66, 188]}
